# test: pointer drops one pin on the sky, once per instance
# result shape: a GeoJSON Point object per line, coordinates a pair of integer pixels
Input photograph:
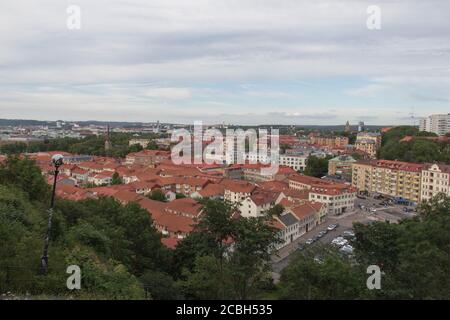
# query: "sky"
{"type": "Point", "coordinates": [225, 61]}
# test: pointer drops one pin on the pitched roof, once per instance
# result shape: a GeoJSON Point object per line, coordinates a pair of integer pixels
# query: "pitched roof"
{"type": "Point", "coordinates": [303, 210]}
{"type": "Point", "coordinates": [264, 197]}
{"type": "Point", "coordinates": [154, 208]}
{"type": "Point", "coordinates": [175, 223]}
{"type": "Point", "coordinates": [126, 196]}
{"type": "Point", "coordinates": [184, 205]}
{"type": "Point", "coordinates": [212, 190]}
{"type": "Point", "coordinates": [238, 186]}
{"type": "Point", "coordinates": [287, 219]}
{"type": "Point", "coordinates": [170, 242]}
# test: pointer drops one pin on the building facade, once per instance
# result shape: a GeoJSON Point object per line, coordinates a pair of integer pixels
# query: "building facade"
{"type": "Point", "coordinates": [436, 123]}
{"type": "Point", "coordinates": [435, 180]}
{"type": "Point", "coordinates": [387, 177]}
{"type": "Point", "coordinates": [368, 142]}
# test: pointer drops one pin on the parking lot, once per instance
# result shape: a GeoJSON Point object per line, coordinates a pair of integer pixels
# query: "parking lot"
{"type": "Point", "coordinates": [391, 212]}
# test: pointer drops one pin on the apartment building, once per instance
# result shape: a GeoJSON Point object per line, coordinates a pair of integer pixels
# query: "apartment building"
{"type": "Point", "coordinates": [388, 177]}
{"type": "Point", "coordinates": [296, 162]}
{"type": "Point", "coordinates": [341, 166]}
{"type": "Point", "coordinates": [436, 123]}
{"type": "Point", "coordinates": [337, 141]}
{"type": "Point", "coordinates": [368, 142]}
{"type": "Point", "coordinates": [435, 180]}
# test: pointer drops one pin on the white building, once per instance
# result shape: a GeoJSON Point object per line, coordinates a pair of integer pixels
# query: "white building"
{"type": "Point", "coordinates": [436, 123]}
{"type": "Point", "coordinates": [296, 162]}
{"type": "Point", "coordinates": [258, 204]}
{"type": "Point", "coordinates": [435, 180]}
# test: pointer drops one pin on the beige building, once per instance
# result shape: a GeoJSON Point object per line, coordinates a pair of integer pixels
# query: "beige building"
{"type": "Point", "coordinates": [435, 180]}
{"type": "Point", "coordinates": [341, 166]}
{"type": "Point", "coordinates": [368, 142]}
{"type": "Point", "coordinates": [392, 178]}
{"type": "Point", "coordinates": [337, 141]}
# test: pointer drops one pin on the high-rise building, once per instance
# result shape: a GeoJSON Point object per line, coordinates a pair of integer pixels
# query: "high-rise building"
{"type": "Point", "coordinates": [436, 123]}
{"type": "Point", "coordinates": [360, 126]}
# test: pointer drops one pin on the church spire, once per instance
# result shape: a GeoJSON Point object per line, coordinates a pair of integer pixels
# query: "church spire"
{"type": "Point", "coordinates": [108, 144]}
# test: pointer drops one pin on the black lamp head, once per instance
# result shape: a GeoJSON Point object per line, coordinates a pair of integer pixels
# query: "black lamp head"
{"type": "Point", "coordinates": [57, 160]}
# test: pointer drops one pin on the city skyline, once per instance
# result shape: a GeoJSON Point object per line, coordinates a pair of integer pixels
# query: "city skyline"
{"type": "Point", "coordinates": [293, 62]}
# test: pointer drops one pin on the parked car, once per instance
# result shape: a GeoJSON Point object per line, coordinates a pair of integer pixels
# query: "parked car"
{"type": "Point", "coordinates": [348, 234]}
{"type": "Point", "coordinates": [309, 241]}
{"type": "Point", "coordinates": [322, 233]}
{"type": "Point", "coordinates": [331, 227]}
{"type": "Point", "coordinates": [339, 241]}
{"type": "Point", "coordinates": [346, 249]}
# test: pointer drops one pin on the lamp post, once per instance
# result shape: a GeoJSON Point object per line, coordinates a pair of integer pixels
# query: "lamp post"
{"type": "Point", "coordinates": [57, 161]}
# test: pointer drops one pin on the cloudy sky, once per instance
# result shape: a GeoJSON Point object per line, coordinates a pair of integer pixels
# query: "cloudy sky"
{"type": "Point", "coordinates": [233, 61]}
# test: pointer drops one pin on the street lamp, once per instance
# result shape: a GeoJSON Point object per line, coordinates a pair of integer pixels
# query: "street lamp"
{"type": "Point", "coordinates": [57, 161]}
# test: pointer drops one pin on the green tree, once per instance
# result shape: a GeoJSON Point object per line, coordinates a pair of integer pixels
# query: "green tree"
{"type": "Point", "coordinates": [116, 179]}
{"type": "Point", "coordinates": [158, 195]}
{"type": "Point", "coordinates": [316, 167]}
{"type": "Point", "coordinates": [321, 274]}
{"type": "Point", "coordinates": [24, 174]}
{"type": "Point", "coordinates": [160, 286]}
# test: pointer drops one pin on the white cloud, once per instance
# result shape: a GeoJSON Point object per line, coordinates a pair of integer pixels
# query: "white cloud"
{"type": "Point", "coordinates": [370, 90]}
{"type": "Point", "coordinates": [168, 93]}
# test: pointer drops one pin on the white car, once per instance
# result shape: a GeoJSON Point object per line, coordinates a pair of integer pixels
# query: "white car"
{"type": "Point", "coordinates": [349, 234]}
{"type": "Point", "coordinates": [339, 241]}
{"type": "Point", "coordinates": [347, 249]}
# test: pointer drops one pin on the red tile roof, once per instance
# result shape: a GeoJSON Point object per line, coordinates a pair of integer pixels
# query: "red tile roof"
{"type": "Point", "coordinates": [175, 223]}
{"type": "Point", "coordinates": [238, 186]}
{"type": "Point", "coordinates": [170, 242]}
{"type": "Point", "coordinates": [212, 190]}
{"type": "Point", "coordinates": [154, 208]}
{"type": "Point", "coordinates": [187, 206]}
{"type": "Point", "coordinates": [126, 196]}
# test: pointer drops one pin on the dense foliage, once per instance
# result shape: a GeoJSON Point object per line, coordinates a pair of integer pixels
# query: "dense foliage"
{"type": "Point", "coordinates": [419, 149]}
{"type": "Point", "coordinates": [317, 167]}
{"type": "Point", "coordinates": [113, 244]}
{"type": "Point", "coordinates": [92, 145]}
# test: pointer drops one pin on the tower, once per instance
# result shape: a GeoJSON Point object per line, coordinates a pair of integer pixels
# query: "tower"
{"type": "Point", "coordinates": [108, 144]}
{"type": "Point", "coordinates": [347, 127]}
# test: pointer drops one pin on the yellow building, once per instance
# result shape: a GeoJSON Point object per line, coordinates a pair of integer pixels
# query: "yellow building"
{"type": "Point", "coordinates": [368, 142]}
{"type": "Point", "coordinates": [392, 178]}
